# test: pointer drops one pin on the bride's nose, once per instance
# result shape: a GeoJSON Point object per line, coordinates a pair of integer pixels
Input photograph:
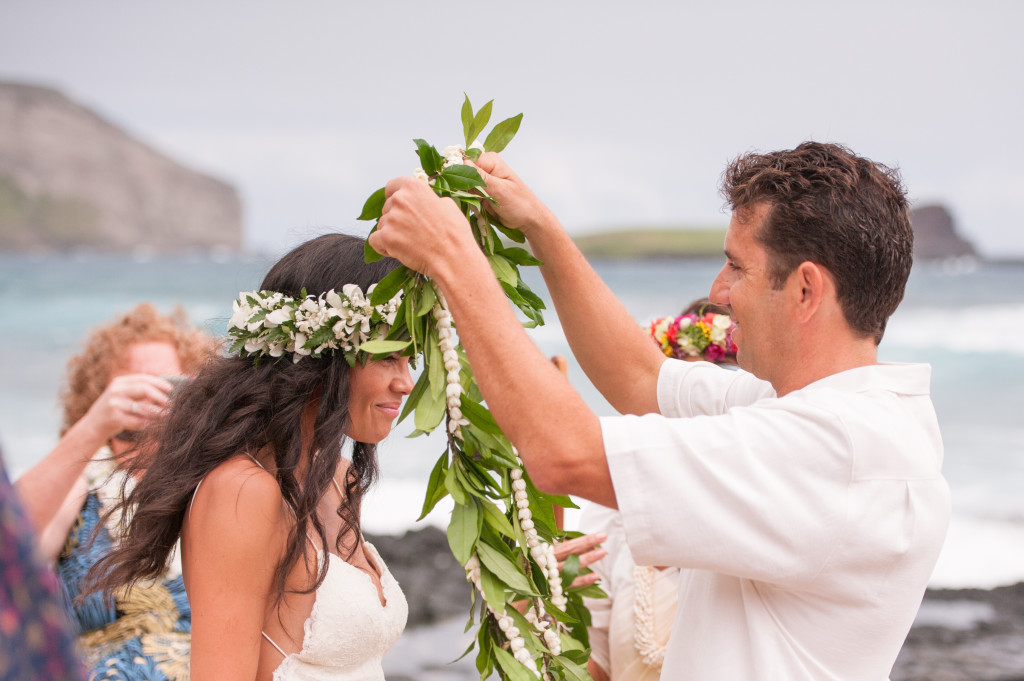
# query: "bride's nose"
{"type": "Point", "coordinates": [402, 383]}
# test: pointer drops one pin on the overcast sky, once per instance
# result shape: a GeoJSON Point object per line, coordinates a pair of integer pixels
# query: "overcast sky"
{"type": "Point", "coordinates": [631, 108]}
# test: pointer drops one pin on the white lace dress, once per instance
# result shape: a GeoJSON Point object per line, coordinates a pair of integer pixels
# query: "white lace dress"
{"type": "Point", "coordinates": [348, 631]}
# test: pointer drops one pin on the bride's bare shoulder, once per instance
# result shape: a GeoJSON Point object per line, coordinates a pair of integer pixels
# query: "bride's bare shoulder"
{"type": "Point", "coordinates": [238, 495]}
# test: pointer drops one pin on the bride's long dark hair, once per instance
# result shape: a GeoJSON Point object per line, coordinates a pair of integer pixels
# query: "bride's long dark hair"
{"type": "Point", "coordinates": [233, 407]}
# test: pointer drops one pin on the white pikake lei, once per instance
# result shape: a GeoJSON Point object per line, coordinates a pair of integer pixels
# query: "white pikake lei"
{"type": "Point", "coordinates": [651, 652]}
{"type": "Point", "coordinates": [542, 552]}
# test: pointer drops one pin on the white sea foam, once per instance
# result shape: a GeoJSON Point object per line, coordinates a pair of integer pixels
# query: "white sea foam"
{"type": "Point", "coordinates": [980, 553]}
{"type": "Point", "coordinates": [392, 506]}
{"type": "Point", "coordinates": [982, 328]}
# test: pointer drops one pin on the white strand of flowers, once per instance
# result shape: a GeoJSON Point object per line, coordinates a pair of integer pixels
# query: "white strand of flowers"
{"type": "Point", "coordinates": [543, 553]}
{"type": "Point", "coordinates": [652, 654]}
{"type": "Point", "coordinates": [516, 643]}
{"type": "Point", "coordinates": [450, 358]}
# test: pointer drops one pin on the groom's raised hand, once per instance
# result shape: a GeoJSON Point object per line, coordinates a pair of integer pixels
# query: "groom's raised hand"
{"type": "Point", "coordinates": [424, 231]}
{"type": "Point", "coordinates": [516, 206]}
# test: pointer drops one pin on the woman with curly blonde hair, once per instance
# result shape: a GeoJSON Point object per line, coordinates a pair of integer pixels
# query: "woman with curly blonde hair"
{"type": "Point", "coordinates": [116, 387]}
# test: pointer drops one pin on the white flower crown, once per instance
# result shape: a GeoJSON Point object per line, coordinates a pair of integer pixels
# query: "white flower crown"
{"type": "Point", "coordinates": [271, 323]}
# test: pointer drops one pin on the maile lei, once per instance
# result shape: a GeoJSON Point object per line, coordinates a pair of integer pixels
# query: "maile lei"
{"type": "Point", "coordinates": [502, 527]}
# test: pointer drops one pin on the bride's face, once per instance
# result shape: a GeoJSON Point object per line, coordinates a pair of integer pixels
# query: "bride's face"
{"type": "Point", "coordinates": [375, 397]}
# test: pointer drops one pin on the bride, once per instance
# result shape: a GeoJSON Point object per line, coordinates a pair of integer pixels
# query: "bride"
{"type": "Point", "coordinates": [249, 473]}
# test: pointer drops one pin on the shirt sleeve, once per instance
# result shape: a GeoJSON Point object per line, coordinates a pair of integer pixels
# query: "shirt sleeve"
{"type": "Point", "coordinates": [758, 492]}
{"type": "Point", "coordinates": [702, 388]}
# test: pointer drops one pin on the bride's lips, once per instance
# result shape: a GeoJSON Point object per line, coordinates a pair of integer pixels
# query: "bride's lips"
{"type": "Point", "coordinates": [392, 409]}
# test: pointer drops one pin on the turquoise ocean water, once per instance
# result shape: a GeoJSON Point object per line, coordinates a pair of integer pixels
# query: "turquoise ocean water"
{"type": "Point", "coordinates": [967, 322]}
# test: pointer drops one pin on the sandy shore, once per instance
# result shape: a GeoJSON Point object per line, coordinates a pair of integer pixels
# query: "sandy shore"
{"type": "Point", "coordinates": [959, 635]}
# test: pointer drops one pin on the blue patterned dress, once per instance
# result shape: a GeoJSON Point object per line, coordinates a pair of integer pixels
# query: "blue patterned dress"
{"type": "Point", "coordinates": [144, 634]}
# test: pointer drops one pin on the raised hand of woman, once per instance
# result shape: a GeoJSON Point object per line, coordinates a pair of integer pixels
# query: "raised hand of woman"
{"type": "Point", "coordinates": [130, 402]}
{"type": "Point", "coordinates": [588, 548]}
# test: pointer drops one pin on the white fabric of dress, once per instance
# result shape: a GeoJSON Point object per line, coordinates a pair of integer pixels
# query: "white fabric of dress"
{"type": "Point", "coordinates": [348, 631]}
{"type": "Point", "coordinates": [810, 522]}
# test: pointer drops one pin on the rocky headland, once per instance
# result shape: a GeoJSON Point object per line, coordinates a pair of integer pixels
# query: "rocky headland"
{"type": "Point", "coordinates": [72, 180]}
{"type": "Point", "coordinates": [936, 236]}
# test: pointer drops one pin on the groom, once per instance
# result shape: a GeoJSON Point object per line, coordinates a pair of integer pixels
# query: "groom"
{"type": "Point", "coordinates": [806, 495]}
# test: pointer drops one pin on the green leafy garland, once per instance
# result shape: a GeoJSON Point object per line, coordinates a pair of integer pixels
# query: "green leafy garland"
{"type": "Point", "coordinates": [502, 527]}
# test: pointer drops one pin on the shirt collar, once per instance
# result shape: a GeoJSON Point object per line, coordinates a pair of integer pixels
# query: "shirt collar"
{"type": "Point", "coordinates": [904, 379]}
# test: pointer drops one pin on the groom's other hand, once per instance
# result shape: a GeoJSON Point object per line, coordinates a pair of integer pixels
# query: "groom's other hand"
{"type": "Point", "coordinates": [516, 205]}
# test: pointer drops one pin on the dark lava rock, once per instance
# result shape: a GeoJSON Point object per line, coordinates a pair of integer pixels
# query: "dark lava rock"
{"type": "Point", "coordinates": [966, 635]}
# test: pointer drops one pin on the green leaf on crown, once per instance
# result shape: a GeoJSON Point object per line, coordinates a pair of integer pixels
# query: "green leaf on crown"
{"type": "Point", "coordinates": [497, 520]}
{"type": "Point", "coordinates": [573, 671]}
{"type": "Point", "coordinates": [383, 347]}
{"type": "Point", "coordinates": [504, 270]}
{"type": "Point", "coordinates": [426, 301]}
{"type": "Point", "coordinates": [369, 254]}
{"type": "Point", "coordinates": [480, 121]}
{"type": "Point", "coordinates": [435, 367]}
{"type": "Point", "coordinates": [435, 486]}
{"type": "Point", "coordinates": [493, 588]}
{"type": "Point", "coordinates": [504, 568]}
{"type": "Point", "coordinates": [414, 397]}
{"type": "Point", "coordinates": [464, 530]}
{"type": "Point", "coordinates": [480, 417]}
{"type": "Point", "coordinates": [467, 118]}
{"type": "Point", "coordinates": [511, 234]}
{"type": "Point", "coordinates": [429, 411]}
{"type": "Point", "coordinates": [373, 207]}
{"type": "Point", "coordinates": [391, 284]}
{"type": "Point", "coordinates": [511, 666]}
{"type": "Point", "coordinates": [451, 483]}
{"type": "Point", "coordinates": [503, 133]}
{"type": "Point", "coordinates": [430, 159]}
{"type": "Point", "coordinates": [520, 256]}
{"type": "Point", "coordinates": [462, 177]}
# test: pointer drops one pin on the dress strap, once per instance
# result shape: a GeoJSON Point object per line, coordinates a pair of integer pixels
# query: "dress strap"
{"type": "Point", "coordinates": [273, 644]}
{"type": "Point", "coordinates": [193, 501]}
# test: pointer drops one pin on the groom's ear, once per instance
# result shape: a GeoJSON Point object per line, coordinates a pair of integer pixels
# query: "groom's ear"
{"type": "Point", "coordinates": [808, 286]}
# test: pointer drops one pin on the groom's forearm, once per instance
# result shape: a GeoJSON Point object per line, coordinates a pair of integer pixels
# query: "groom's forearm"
{"type": "Point", "coordinates": [556, 433]}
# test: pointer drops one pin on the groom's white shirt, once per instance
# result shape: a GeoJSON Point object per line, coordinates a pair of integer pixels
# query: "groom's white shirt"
{"type": "Point", "coordinates": [813, 521]}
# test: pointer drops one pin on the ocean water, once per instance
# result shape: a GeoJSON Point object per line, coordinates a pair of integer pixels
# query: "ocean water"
{"type": "Point", "coordinates": [966, 321]}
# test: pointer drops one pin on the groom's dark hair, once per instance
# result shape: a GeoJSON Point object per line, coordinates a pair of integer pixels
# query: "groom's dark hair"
{"type": "Point", "coordinates": [838, 210]}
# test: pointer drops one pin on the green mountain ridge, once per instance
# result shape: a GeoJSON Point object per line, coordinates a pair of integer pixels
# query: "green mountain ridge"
{"type": "Point", "coordinates": [649, 242]}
